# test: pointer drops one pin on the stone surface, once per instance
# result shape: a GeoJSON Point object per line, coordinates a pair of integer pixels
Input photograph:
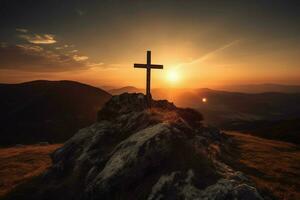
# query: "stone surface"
{"type": "Point", "coordinates": [133, 152]}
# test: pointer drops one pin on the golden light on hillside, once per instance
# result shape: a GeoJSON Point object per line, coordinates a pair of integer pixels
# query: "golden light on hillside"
{"type": "Point", "coordinates": [204, 100]}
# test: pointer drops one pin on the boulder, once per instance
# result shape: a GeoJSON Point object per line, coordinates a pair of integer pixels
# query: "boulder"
{"type": "Point", "coordinates": [135, 152]}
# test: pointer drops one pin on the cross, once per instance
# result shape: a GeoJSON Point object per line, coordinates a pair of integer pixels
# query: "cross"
{"type": "Point", "coordinates": [148, 66]}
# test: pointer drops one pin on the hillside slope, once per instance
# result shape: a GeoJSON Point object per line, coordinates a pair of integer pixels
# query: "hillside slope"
{"type": "Point", "coordinates": [272, 165]}
{"type": "Point", "coordinates": [284, 130]}
{"type": "Point", "coordinates": [133, 152]}
{"type": "Point", "coordinates": [46, 110]}
{"type": "Point", "coordinates": [19, 164]}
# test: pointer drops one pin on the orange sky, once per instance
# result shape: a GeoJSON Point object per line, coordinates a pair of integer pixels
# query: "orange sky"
{"type": "Point", "coordinates": [200, 44]}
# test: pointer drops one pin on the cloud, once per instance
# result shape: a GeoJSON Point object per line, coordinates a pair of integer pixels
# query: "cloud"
{"type": "Point", "coordinates": [35, 58]}
{"type": "Point", "coordinates": [39, 39]}
{"type": "Point", "coordinates": [80, 58]}
{"type": "Point", "coordinates": [95, 64]}
{"type": "Point", "coordinates": [116, 65]}
{"type": "Point", "coordinates": [28, 47]}
{"type": "Point", "coordinates": [22, 30]}
{"type": "Point", "coordinates": [210, 54]}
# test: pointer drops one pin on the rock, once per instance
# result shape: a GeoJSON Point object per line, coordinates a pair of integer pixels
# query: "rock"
{"type": "Point", "coordinates": [133, 152]}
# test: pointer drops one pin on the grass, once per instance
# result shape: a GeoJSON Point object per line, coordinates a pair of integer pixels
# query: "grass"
{"type": "Point", "coordinates": [273, 165]}
{"type": "Point", "coordinates": [19, 164]}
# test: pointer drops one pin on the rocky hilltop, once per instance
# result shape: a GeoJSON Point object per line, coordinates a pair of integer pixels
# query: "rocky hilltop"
{"type": "Point", "coordinates": [133, 152]}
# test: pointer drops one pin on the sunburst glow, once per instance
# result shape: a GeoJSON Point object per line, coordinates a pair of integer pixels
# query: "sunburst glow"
{"type": "Point", "coordinates": [173, 76]}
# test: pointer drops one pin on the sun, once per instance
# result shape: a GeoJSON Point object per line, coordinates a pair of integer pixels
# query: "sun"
{"type": "Point", "coordinates": [173, 76]}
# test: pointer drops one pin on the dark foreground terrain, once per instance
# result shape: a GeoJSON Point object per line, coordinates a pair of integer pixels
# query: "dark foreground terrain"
{"type": "Point", "coordinates": [20, 164]}
{"type": "Point", "coordinates": [273, 165]}
{"type": "Point", "coordinates": [160, 153]}
{"type": "Point", "coordinates": [281, 177]}
{"type": "Point", "coordinates": [133, 152]}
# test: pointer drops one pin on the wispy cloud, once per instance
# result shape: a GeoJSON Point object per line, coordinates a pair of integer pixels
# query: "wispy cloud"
{"type": "Point", "coordinates": [28, 47]}
{"type": "Point", "coordinates": [95, 64]}
{"type": "Point", "coordinates": [103, 67]}
{"type": "Point", "coordinates": [80, 58]}
{"type": "Point", "coordinates": [35, 56]}
{"type": "Point", "coordinates": [39, 39]}
{"type": "Point", "coordinates": [116, 65]}
{"type": "Point", "coordinates": [210, 54]}
{"type": "Point", "coordinates": [28, 57]}
{"type": "Point", "coordinates": [22, 30]}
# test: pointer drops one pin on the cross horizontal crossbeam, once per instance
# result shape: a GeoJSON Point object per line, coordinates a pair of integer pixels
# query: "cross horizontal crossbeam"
{"type": "Point", "coordinates": [152, 66]}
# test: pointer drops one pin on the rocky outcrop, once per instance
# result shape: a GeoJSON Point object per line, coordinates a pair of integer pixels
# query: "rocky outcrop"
{"type": "Point", "coordinates": [133, 152]}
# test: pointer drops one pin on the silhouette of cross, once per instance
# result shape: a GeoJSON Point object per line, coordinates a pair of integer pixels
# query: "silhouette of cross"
{"type": "Point", "coordinates": [148, 66]}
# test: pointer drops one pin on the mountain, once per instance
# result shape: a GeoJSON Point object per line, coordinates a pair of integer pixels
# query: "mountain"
{"type": "Point", "coordinates": [226, 107]}
{"type": "Point", "coordinates": [223, 108]}
{"type": "Point", "coordinates": [128, 89]}
{"type": "Point", "coordinates": [47, 110]}
{"type": "Point", "coordinates": [133, 152]}
{"type": "Point", "coordinates": [260, 88]}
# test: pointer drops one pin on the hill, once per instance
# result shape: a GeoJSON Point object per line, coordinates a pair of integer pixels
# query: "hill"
{"type": "Point", "coordinates": [47, 110]}
{"type": "Point", "coordinates": [226, 107]}
{"type": "Point", "coordinates": [128, 89]}
{"type": "Point", "coordinates": [273, 165]}
{"type": "Point", "coordinates": [19, 164]}
{"type": "Point", "coordinates": [133, 152]}
{"type": "Point", "coordinates": [285, 130]}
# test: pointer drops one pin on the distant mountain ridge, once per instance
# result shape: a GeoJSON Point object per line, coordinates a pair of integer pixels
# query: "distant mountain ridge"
{"type": "Point", "coordinates": [47, 110]}
{"type": "Point", "coordinates": [261, 88]}
{"type": "Point", "coordinates": [53, 110]}
{"type": "Point", "coordinates": [129, 89]}
{"type": "Point", "coordinates": [226, 109]}
{"type": "Point", "coordinates": [246, 88]}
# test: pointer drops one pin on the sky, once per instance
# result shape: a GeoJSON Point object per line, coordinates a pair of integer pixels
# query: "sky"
{"type": "Point", "coordinates": [200, 43]}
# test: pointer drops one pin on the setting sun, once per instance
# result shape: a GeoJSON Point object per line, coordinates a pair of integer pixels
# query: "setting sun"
{"type": "Point", "coordinates": [173, 76]}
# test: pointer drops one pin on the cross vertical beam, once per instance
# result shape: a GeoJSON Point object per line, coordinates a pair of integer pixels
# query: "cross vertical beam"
{"type": "Point", "coordinates": [148, 66]}
{"type": "Point", "coordinates": [148, 79]}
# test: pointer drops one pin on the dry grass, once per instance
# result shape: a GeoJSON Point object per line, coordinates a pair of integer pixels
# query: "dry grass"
{"type": "Point", "coordinates": [164, 115]}
{"type": "Point", "coordinates": [272, 165]}
{"type": "Point", "coordinates": [18, 164]}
